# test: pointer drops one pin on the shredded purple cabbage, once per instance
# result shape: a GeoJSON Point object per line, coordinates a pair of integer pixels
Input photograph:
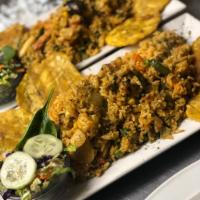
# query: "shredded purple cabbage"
{"type": "Point", "coordinates": [8, 194]}
{"type": "Point", "coordinates": [9, 153]}
{"type": "Point", "coordinates": [43, 161]}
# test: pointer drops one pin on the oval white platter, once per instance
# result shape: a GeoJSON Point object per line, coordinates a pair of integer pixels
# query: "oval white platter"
{"type": "Point", "coordinates": [184, 185]}
{"type": "Point", "coordinates": [187, 26]}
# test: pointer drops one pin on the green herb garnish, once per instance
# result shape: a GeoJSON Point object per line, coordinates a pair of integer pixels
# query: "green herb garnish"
{"type": "Point", "coordinates": [71, 148]}
{"type": "Point", "coordinates": [24, 194]}
{"type": "Point", "coordinates": [118, 154]}
{"type": "Point", "coordinates": [7, 54]}
{"type": "Point", "coordinates": [124, 131]}
{"type": "Point", "coordinates": [163, 70]}
{"type": "Point", "coordinates": [63, 170]}
{"type": "Point", "coordinates": [6, 75]}
{"type": "Point", "coordinates": [40, 124]}
{"type": "Point", "coordinates": [41, 31]}
{"type": "Point", "coordinates": [141, 78]}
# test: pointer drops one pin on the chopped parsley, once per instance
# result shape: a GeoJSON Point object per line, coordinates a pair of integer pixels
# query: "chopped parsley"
{"type": "Point", "coordinates": [71, 148]}
{"type": "Point", "coordinates": [124, 131]}
{"type": "Point", "coordinates": [7, 54]}
{"type": "Point", "coordinates": [118, 154]}
{"type": "Point", "coordinates": [163, 70]}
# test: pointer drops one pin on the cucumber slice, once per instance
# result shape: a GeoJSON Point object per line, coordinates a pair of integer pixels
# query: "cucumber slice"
{"type": "Point", "coordinates": [43, 145]}
{"type": "Point", "coordinates": [18, 170]}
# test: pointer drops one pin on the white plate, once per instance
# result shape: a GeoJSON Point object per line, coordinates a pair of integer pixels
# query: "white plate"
{"type": "Point", "coordinates": [182, 186]}
{"type": "Point", "coordinates": [183, 25]}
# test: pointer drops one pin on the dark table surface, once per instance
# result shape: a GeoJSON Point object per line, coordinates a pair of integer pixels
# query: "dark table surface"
{"type": "Point", "coordinates": [138, 184]}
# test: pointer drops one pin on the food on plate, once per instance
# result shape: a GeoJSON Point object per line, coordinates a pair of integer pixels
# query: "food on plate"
{"type": "Point", "coordinates": [56, 71]}
{"type": "Point", "coordinates": [150, 7]}
{"type": "Point", "coordinates": [145, 21]}
{"type": "Point", "coordinates": [133, 30]}
{"type": "Point", "coordinates": [12, 36]}
{"type": "Point", "coordinates": [12, 125]}
{"type": "Point", "coordinates": [196, 50]}
{"type": "Point", "coordinates": [97, 119]}
{"type": "Point", "coordinates": [18, 170]}
{"type": "Point", "coordinates": [37, 161]}
{"type": "Point", "coordinates": [135, 99]}
{"type": "Point", "coordinates": [11, 72]}
{"type": "Point", "coordinates": [193, 108]}
{"type": "Point", "coordinates": [29, 178]}
{"type": "Point", "coordinates": [11, 68]}
{"type": "Point", "coordinates": [77, 28]}
{"type": "Point", "coordinates": [81, 112]}
{"type": "Point", "coordinates": [43, 144]}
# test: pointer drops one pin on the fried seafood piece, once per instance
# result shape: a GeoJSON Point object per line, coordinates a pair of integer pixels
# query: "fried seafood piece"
{"type": "Point", "coordinates": [55, 72]}
{"type": "Point", "coordinates": [43, 39]}
{"type": "Point", "coordinates": [78, 113]}
{"type": "Point", "coordinates": [12, 126]}
{"type": "Point", "coordinates": [143, 97]}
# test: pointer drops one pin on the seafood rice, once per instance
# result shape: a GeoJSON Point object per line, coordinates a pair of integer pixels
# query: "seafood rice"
{"type": "Point", "coordinates": [133, 100]}
{"type": "Point", "coordinates": [77, 28]}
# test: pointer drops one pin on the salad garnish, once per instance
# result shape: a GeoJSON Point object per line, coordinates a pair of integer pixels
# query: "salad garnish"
{"type": "Point", "coordinates": [40, 124]}
{"type": "Point", "coordinates": [11, 72]}
{"type": "Point", "coordinates": [37, 160]}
